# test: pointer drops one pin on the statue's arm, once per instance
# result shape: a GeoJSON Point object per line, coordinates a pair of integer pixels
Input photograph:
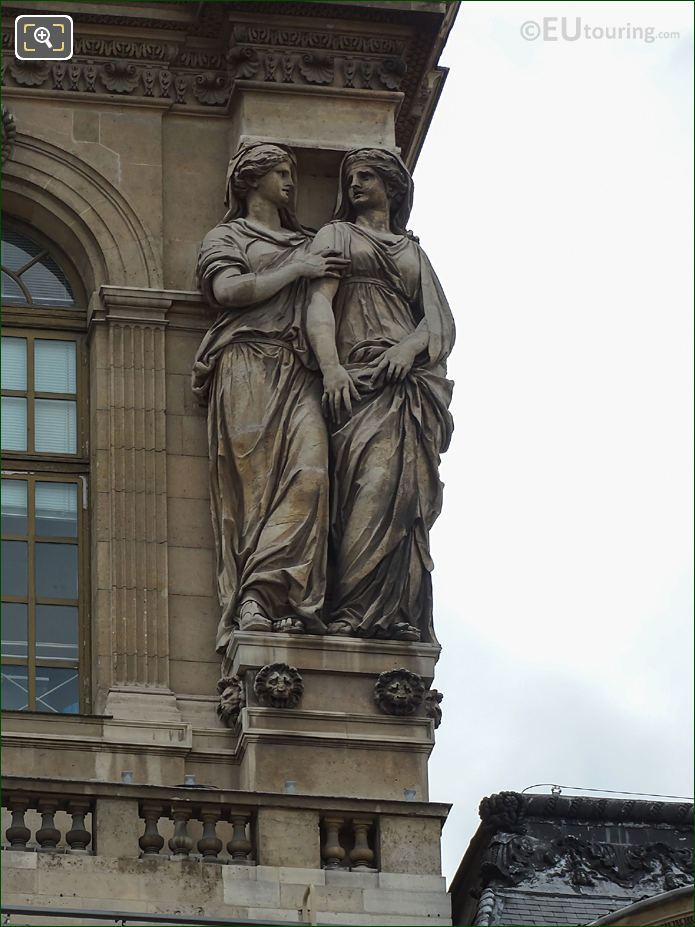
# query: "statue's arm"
{"type": "Point", "coordinates": [240, 291]}
{"type": "Point", "coordinates": [338, 387]}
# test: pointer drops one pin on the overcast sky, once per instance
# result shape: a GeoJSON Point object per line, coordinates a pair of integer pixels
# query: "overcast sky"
{"type": "Point", "coordinates": [553, 196]}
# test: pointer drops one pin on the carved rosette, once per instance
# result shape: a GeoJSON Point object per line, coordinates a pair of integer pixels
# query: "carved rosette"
{"type": "Point", "coordinates": [278, 685]}
{"type": "Point", "coordinates": [433, 700]}
{"type": "Point", "coordinates": [9, 134]}
{"type": "Point", "coordinates": [232, 699]}
{"type": "Point", "coordinates": [399, 692]}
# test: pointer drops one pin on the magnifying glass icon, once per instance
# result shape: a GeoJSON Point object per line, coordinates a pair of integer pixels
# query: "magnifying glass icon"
{"type": "Point", "coordinates": [41, 34]}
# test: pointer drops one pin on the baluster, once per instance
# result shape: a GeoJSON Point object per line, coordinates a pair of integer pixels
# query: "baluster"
{"type": "Point", "coordinates": [209, 844]}
{"type": "Point", "coordinates": [18, 833]}
{"type": "Point", "coordinates": [333, 853]}
{"type": "Point", "coordinates": [48, 835]}
{"type": "Point", "coordinates": [361, 856]}
{"type": "Point", "coordinates": [151, 841]}
{"type": "Point", "coordinates": [78, 837]}
{"type": "Point", "coordinates": [180, 844]}
{"type": "Point", "coordinates": [239, 846]}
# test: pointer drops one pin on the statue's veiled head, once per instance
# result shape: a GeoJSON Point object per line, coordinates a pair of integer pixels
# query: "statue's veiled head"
{"type": "Point", "coordinates": [371, 177]}
{"type": "Point", "coordinates": [271, 171]}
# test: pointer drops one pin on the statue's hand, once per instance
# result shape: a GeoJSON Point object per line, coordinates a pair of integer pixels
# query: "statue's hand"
{"type": "Point", "coordinates": [326, 263]}
{"type": "Point", "coordinates": [338, 392]}
{"type": "Point", "coordinates": [395, 363]}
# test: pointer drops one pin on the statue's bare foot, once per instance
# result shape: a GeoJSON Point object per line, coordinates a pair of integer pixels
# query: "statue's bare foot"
{"type": "Point", "coordinates": [402, 631]}
{"type": "Point", "coordinates": [340, 627]}
{"type": "Point", "coordinates": [253, 618]}
{"type": "Point", "coordinates": [289, 626]}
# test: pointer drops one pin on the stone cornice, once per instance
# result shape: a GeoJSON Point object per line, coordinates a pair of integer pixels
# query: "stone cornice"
{"type": "Point", "coordinates": [509, 811]}
{"type": "Point", "coordinates": [192, 61]}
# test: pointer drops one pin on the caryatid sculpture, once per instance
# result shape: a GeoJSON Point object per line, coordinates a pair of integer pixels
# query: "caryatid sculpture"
{"type": "Point", "coordinates": [266, 431]}
{"type": "Point", "coordinates": [362, 302]}
{"type": "Point", "coordinates": [381, 334]}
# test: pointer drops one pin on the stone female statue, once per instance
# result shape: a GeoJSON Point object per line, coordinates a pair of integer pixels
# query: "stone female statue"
{"type": "Point", "coordinates": [381, 335]}
{"type": "Point", "coordinates": [267, 435]}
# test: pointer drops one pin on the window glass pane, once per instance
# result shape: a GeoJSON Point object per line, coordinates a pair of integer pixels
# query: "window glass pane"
{"type": "Point", "coordinates": [57, 690]}
{"type": "Point", "coordinates": [56, 571]}
{"type": "Point", "coordinates": [14, 507]}
{"type": "Point", "coordinates": [18, 250]}
{"type": "Point", "coordinates": [14, 630]}
{"type": "Point", "coordinates": [56, 632]}
{"type": "Point", "coordinates": [47, 283]}
{"type": "Point", "coordinates": [14, 423]}
{"type": "Point", "coordinates": [14, 363]}
{"type": "Point", "coordinates": [55, 426]}
{"type": "Point", "coordinates": [15, 688]}
{"type": "Point", "coordinates": [11, 291]}
{"type": "Point", "coordinates": [14, 568]}
{"type": "Point", "coordinates": [56, 510]}
{"type": "Point", "coordinates": [54, 366]}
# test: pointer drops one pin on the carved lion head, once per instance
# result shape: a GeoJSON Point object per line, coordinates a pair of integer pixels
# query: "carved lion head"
{"type": "Point", "coordinates": [232, 699]}
{"type": "Point", "coordinates": [278, 685]}
{"type": "Point", "coordinates": [399, 692]}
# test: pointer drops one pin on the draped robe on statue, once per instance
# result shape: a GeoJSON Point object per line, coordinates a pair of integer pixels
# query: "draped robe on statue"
{"type": "Point", "coordinates": [267, 436]}
{"type": "Point", "coordinates": [386, 492]}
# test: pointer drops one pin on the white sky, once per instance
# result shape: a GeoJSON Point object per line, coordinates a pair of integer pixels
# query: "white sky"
{"type": "Point", "coordinates": [553, 196]}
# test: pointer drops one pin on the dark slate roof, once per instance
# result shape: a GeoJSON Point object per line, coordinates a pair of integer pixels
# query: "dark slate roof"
{"type": "Point", "coordinates": [565, 860]}
{"type": "Point", "coordinates": [520, 907]}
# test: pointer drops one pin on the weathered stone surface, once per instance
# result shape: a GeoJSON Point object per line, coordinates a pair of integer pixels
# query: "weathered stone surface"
{"type": "Point", "coordinates": [410, 845]}
{"type": "Point", "coordinates": [289, 838]}
{"type": "Point", "coordinates": [118, 827]}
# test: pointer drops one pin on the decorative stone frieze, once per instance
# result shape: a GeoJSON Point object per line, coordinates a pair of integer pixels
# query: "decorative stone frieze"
{"type": "Point", "coordinates": [196, 62]}
{"type": "Point", "coordinates": [399, 692]}
{"type": "Point", "coordinates": [278, 685]}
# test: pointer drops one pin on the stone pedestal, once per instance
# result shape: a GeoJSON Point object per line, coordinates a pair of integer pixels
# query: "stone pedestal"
{"type": "Point", "coordinates": [336, 741]}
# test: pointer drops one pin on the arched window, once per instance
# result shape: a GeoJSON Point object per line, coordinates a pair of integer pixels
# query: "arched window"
{"type": "Point", "coordinates": [45, 468]}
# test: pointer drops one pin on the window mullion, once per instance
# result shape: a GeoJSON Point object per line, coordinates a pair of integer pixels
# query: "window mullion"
{"type": "Point", "coordinates": [30, 393]}
{"type": "Point", "coordinates": [31, 594]}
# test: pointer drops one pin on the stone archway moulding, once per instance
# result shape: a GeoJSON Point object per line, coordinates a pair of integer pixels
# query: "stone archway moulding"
{"type": "Point", "coordinates": [78, 208]}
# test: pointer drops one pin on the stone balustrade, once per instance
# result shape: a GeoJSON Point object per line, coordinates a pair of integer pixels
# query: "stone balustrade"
{"type": "Point", "coordinates": [209, 846]}
{"type": "Point", "coordinates": [349, 842]}
{"type": "Point", "coordinates": [265, 856]}
{"type": "Point", "coordinates": [229, 827]}
{"type": "Point", "coordinates": [75, 838]}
